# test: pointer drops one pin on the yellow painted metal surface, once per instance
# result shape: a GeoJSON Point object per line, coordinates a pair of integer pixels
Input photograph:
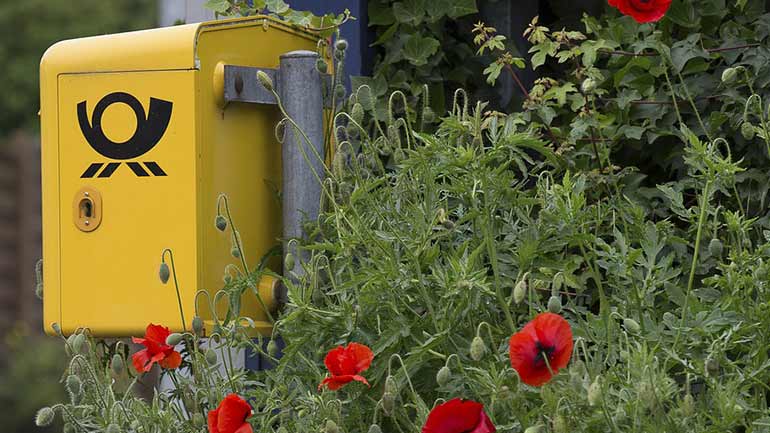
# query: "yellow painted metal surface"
{"type": "Point", "coordinates": [137, 118]}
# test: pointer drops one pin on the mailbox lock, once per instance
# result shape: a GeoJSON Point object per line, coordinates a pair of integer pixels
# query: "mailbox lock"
{"type": "Point", "coordinates": [87, 209]}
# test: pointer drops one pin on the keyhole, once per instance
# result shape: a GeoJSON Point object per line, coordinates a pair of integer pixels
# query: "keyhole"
{"type": "Point", "coordinates": [86, 208]}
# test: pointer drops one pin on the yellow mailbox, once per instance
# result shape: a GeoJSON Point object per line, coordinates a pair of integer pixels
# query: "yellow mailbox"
{"type": "Point", "coordinates": [137, 144]}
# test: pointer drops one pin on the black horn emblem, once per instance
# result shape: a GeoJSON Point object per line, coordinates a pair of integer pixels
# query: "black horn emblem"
{"type": "Point", "coordinates": [149, 130]}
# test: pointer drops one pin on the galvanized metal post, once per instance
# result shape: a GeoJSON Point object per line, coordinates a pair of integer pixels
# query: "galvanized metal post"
{"type": "Point", "coordinates": [300, 89]}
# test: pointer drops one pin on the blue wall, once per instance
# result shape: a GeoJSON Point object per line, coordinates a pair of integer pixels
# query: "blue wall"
{"type": "Point", "coordinates": [360, 56]}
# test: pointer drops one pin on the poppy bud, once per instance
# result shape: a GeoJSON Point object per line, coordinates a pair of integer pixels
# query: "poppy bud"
{"type": "Point", "coordinates": [117, 364]}
{"type": "Point", "coordinates": [357, 112]}
{"type": "Point", "coordinates": [374, 428]}
{"type": "Point", "coordinates": [478, 348]}
{"type": "Point", "coordinates": [339, 91]}
{"type": "Point", "coordinates": [535, 429]}
{"type": "Point", "coordinates": [211, 357]}
{"type": "Point", "coordinates": [747, 130]}
{"type": "Point", "coordinates": [588, 85]}
{"type": "Point", "coordinates": [174, 339]}
{"type": "Point", "coordinates": [198, 420]}
{"type": "Point", "coordinates": [443, 376]}
{"type": "Point", "coordinates": [289, 262]}
{"type": "Point", "coordinates": [220, 222]}
{"type": "Point", "coordinates": [112, 428]}
{"type": "Point", "coordinates": [265, 80]}
{"type": "Point", "coordinates": [74, 387]}
{"type": "Point", "coordinates": [729, 75]}
{"type": "Point", "coordinates": [716, 247]}
{"type": "Point", "coordinates": [56, 328]}
{"type": "Point", "coordinates": [554, 305]}
{"type": "Point", "coordinates": [504, 392]}
{"type": "Point", "coordinates": [559, 424]}
{"type": "Point", "coordinates": [712, 366]}
{"type": "Point", "coordinates": [390, 385]}
{"type": "Point", "coordinates": [321, 66]}
{"type": "Point", "coordinates": [164, 273]}
{"type": "Point", "coordinates": [341, 45]}
{"type": "Point", "coordinates": [631, 325]}
{"type": "Point", "coordinates": [272, 348]}
{"type": "Point", "coordinates": [235, 252]}
{"type": "Point", "coordinates": [78, 343]}
{"type": "Point", "coordinates": [331, 427]}
{"type": "Point", "coordinates": [44, 417]}
{"type": "Point", "coordinates": [388, 403]}
{"type": "Point", "coordinates": [197, 325]}
{"type": "Point", "coordinates": [520, 291]}
{"type": "Point", "coordinates": [595, 392]}
{"type": "Point", "coordinates": [688, 405]}
{"type": "Point", "coordinates": [428, 116]}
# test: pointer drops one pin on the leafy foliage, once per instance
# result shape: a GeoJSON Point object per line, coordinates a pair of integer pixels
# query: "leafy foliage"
{"type": "Point", "coordinates": [28, 27]}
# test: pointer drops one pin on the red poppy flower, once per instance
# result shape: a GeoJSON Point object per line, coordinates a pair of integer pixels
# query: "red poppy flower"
{"type": "Point", "coordinates": [547, 337]}
{"type": "Point", "coordinates": [458, 416]}
{"type": "Point", "coordinates": [156, 350]}
{"type": "Point", "coordinates": [643, 11]}
{"type": "Point", "coordinates": [345, 364]}
{"type": "Point", "coordinates": [230, 416]}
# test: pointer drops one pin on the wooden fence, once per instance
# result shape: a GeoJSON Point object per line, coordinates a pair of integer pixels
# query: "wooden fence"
{"type": "Point", "coordinates": [20, 233]}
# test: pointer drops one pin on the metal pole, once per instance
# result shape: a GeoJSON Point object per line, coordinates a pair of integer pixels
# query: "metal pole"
{"type": "Point", "coordinates": [300, 89]}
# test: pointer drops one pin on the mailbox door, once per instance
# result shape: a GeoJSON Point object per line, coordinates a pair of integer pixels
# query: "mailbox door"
{"type": "Point", "coordinates": [127, 191]}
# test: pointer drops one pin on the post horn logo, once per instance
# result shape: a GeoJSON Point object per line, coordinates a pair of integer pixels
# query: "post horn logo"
{"type": "Point", "coordinates": [149, 131]}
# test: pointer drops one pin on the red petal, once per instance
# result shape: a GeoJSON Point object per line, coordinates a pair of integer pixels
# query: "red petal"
{"type": "Point", "coordinates": [334, 359]}
{"type": "Point", "coordinates": [553, 331]}
{"type": "Point", "coordinates": [336, 382]}
{"type": "Point", "coordinates": [142, 361]}
{"type": "Point", "coordinates": [171, 361]}
{"type": "Point", "coordinates": [523, 353]}
{"type": "Point", "coordinates": [361, 355]}
{"type": "Point", "coordinates": [157, 333]}
{"type": "Point", "coordinates": [212, 421]}
{"type": "Point", "coordinates": [642, 11]}
{"type": "Point", "coordinates": [458, 416]}
{"type": "Point", "coordinates": [233, 412]}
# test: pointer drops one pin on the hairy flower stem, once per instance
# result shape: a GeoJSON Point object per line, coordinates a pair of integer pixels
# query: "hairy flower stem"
{"type": "Point", "coordinates": [492, 251]}
{"type": "Point", "coordinates": [176, 285]}
{"type": "Point", "coordinates": [693, 266]}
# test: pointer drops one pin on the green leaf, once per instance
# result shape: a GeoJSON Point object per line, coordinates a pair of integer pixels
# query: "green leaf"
{"type": "Point", "coordinates": [492, 72]}
{"type": "Point", "coordinates": [277, 6]}
{"type": "Point", "coordinates": [686, 50]}
{"type": "Point", "coordinates": [418, 49]}
{"type": "Point", "coordinates": [459, 8]}
{"type": "Point", "coordinates": [218, 6]}
{"type": "Point", "coordinates": [409, 12]}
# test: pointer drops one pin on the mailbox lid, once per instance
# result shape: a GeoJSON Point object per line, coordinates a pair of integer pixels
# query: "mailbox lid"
{"type": "Point", "coordinates": [109, 276]}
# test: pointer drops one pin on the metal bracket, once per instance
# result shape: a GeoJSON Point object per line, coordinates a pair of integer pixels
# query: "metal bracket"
{"type": "Point", "coordinates": [241, 85]}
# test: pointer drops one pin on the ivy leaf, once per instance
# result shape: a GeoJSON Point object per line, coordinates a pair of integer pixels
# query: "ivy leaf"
{"type": "Point", "coordinates": [277, 6]}
{"type": "Point", "coordinates": [459, 8]}
{"type": "Point", "coordinates": [418, 49]}
{"type": "Point", "coordinates": [410, 12]}
{"type": "Point", "coordinates": [686, 50]}
{"type": "Point", "coordinates": [218, 6]}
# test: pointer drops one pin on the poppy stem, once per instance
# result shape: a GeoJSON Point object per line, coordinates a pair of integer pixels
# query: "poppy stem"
{"type": "Point", "coordinates": [176, 284]}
